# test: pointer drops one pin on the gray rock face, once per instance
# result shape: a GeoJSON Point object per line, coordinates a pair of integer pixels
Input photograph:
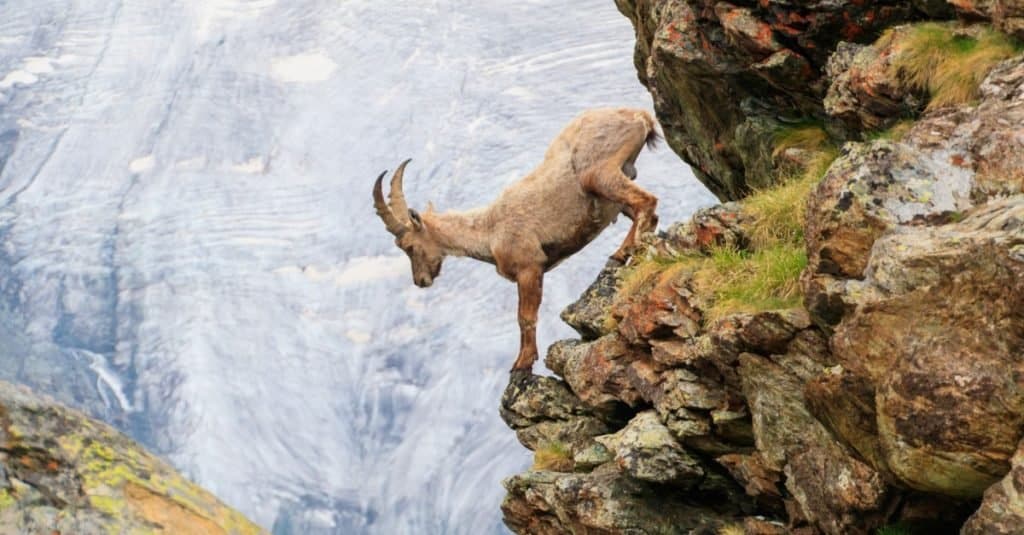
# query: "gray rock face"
{"type": "Point", "coordinates": [950, 161]}
{"type": "Point", "coordinates": [645, 450]}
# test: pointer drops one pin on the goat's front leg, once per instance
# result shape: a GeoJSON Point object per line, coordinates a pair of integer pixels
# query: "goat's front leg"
{"type": "Point", "coordinates": [531, 286]}
{"type": "Point", "coordinates": [611, 183]}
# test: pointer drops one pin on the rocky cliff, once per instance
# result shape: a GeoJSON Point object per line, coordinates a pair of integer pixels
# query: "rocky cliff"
{"type": "Point", "coordinates": [842, 350]}
{"type": "Point", "coordinates": [62, 472]}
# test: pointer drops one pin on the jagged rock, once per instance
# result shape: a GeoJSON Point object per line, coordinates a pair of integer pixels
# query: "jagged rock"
{"type": "Point", "coordinates": [718, 225]}
{"type": "Point", "coordinates": [594, 455]}
{"type": "Point", "coordinates": [863, 93]}
{"type": "Point", "coordinates": [758, 480]}
{"type": "Point", "coordinates": [725, 76]}
{"type": "Point", "coordinates": [663, 311]}
{"type": "Point", "coordinates": [61, 472]}
{"type": "Point", "coordinates": [606, 501]}
{"type": "Point", "coordinates": [1007, 15]}
{"type": "Point", "coordinates": [1002, 509]}
{"type": "Point", "coordinates": [542, 410]}
{"type": "Point", "coordinates": [589, 314]}
{"type": "Point", "coordinates": [950, 161]}
{"type": "Point", "coordinates": [602, 373]}
{"type": "Point", "coordinates": [645, 450]}
{"type": "Point", "coordinates": [935, 345]}
{"type": "Point", "coordinates": [833, 491]}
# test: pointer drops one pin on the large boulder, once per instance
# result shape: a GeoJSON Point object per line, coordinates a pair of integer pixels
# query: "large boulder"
{"type": "Point", "coordinates": [934, 347]}
{"type": "Point", "coordinates": [62, 472]}
{"type": "Point", "coordinates": [950, 161]}
{"type": "Point", "coordinates": [605, 501]}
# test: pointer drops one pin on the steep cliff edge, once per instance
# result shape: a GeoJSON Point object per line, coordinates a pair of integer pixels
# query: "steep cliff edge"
{"type": "Point", "coordinates": [62, 472]}
{"type": "Point", "coordinates": [842, 350]}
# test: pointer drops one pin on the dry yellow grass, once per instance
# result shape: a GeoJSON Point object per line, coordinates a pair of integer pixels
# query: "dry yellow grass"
{"type": "Point", "coordinates": [732, 529]}
{"type": "Point", "coordinates": [764, 276]}
{"type": "Point", "coordinates": [553, 456]}
{"type": "Point", "coordinates": [947, 62]}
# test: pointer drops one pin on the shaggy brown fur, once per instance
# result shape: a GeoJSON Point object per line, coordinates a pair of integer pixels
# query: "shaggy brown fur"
{"type": "Point", "coordinates": [584, 182]}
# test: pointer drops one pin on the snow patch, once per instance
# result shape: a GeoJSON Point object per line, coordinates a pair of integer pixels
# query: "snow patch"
{"type": "Point", "coordinates": [309, 67]}
{"type": "Point", "coordinates": [358, 337]}
{"type": "Point", "coordinates": [39, 65]}
{"type": "Point", "coordinates": [252, 166]}
{"type": "Point", "coordinates": [143, 164]}
{"type": "Point", "coordinates": [18, 77]}
{"type": "Point", "coordinates": [358, 270]}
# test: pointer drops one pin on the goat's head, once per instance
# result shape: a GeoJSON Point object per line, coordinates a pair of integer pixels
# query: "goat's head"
{"type": "Point", "coordinates": [411, 234]}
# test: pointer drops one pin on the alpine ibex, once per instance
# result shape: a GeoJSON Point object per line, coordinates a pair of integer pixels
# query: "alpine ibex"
{"type": "Point", "coordinates": [584, 182]}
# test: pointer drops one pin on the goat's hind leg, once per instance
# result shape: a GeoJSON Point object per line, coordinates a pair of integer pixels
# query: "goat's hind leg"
{"type": "Point", "coordinates": [610, 182]}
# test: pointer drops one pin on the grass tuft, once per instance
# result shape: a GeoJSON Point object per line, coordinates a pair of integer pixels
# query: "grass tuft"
{"type": "Point", "coordinates": [553, 456]}
{"type": "Point", "coordinates": [741, 281]}
{"type": "Point", "coordinates": [764, 275]}
{"type": "Point", "coordinates": [947, 64]}
{"type": "Point", "coordinates": [732, 529]}
{"type": "Point", "coordinates": [777, 213]}
{"type": "Point", "coordinates": [895, 132]}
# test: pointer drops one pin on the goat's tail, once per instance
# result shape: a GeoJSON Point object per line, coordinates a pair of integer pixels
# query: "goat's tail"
{"type": "Point", "coordinates": [653, 136]}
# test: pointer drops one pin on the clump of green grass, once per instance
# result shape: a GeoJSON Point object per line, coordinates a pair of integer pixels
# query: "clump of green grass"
{"type": "Point", "coordinates": [777, 213]}
{"type": "Point", "coordinates": [764, 275]}
{"type": "Point", "coordinates": [808, 136]}
{"type": "Point", "coordinates": [895, 132]}
{"type": "Point", "coordinates": [947, 64]}
{"type": "Point", "coordinates": [745, 281]}
{"type": "Point", "coordinates": [553, 456]}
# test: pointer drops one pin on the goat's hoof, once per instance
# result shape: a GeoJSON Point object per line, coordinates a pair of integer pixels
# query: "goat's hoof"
{"type": "Point", "coordinates": [520, 376]}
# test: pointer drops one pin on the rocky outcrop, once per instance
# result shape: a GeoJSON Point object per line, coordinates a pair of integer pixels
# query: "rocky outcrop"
{"type": "Point", "coordinates": [1007, 15]}
{"type": "Point", "coordinates": [950, 161]}
{"type": "Point", "coordinates": [895, 393]}
{"type": "Point", "coordinates": [62, 472]}
{"type": "Point", "coordinates": [705, 425]}
{"type": "Point", "coordinates": [726, 76]}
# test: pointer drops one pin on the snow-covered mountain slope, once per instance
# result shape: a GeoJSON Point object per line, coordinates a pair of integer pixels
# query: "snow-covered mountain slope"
{"type": "Point", "coordinates": [188, 247]}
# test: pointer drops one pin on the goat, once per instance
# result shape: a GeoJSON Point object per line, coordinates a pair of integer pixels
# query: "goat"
{"type": "Point", "coordinates": [584, 182]}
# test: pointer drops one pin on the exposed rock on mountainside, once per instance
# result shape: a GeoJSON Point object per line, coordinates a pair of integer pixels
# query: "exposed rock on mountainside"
{"type": "Point", "coordinates": [62, 472]}
{"type": "Point", "coordinates": [725, 76]}
{"type": "Point", "coordinates": [840, 352]}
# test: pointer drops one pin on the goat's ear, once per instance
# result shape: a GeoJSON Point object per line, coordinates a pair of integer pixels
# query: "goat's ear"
{"type": "Point", "coordinates": [414, 216]}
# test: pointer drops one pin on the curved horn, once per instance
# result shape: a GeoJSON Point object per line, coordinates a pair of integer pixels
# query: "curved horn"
{"type": "Point", "coordinates": [392, 223]}
{"type": "Point", "coordinates": [397, 196]}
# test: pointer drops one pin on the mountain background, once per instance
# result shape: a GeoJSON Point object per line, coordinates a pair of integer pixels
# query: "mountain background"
{"type": "Point", "coordinates": [188, 248]}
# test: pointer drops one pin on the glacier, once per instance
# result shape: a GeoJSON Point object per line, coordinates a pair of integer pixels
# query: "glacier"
{"type": "Point", "coordinates": [188, 247]}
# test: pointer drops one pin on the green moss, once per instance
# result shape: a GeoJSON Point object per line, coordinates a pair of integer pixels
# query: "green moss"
{"type": "Point", "coordinates": [6, 499]}
{"type": "Point", "coordinates": [945, 61]}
